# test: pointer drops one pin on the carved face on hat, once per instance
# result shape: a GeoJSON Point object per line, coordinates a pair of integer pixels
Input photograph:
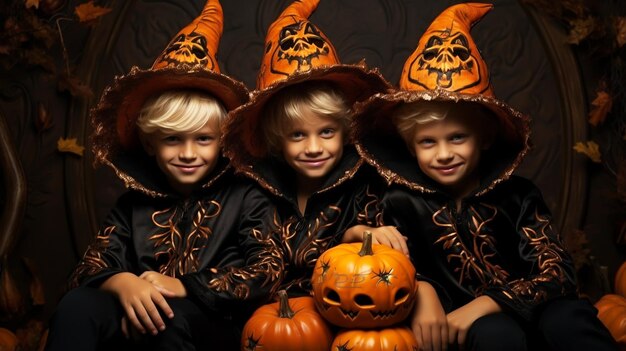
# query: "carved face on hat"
{"type": "Point", "coordinates": [293, 44]}
{"type": "Point", "coordinates": [447, 57]}
{"type": "Point", "coordinates": [196, 43]}
{"type": "Point", "coordinates": [188, 48]}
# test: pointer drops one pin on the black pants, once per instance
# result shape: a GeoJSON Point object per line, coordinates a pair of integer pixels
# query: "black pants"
{"type": "Point", "coordinates": [566, 324]}
{"type": "Point", "coordinates": [90, 319]}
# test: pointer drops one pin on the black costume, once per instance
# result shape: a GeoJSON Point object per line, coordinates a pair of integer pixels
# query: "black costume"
{"type": "Point", "coordinates": [217, 242]}
{"type": "Point", "coordinates": [347, 198]}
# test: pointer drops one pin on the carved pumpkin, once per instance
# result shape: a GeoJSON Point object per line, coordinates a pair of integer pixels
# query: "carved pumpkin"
{"type": "Point", "coordinates": [289, 324]}
{"type": "Point", "coordinates": [391, 339]}
{"type": "Point", "coordinates": [8, 340]}
{"type": "Point", "coordinates": [360, 285]}
{"type": "Point", "coordinates": [612, 312]}
{"type": "Point", "coordinates": [620, 280]}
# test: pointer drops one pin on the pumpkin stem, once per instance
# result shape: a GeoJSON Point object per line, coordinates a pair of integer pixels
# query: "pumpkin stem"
{"type": "Point", "coordinates": [284, 310]}
{"type": "Point", "coordinates": [366, 249]}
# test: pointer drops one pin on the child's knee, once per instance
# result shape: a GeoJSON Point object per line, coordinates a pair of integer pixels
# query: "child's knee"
{"type": "Point", "coordinates": [496, 332]}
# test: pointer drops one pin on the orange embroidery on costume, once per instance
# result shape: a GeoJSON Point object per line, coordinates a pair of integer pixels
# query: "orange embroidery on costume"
{"type": "Point", "coordinates": [180, 254]}
{"type": "Point", "coordinates": [473, 256]}
{"type": "Point", "coordinates": [549, 257]}
{"type": "Point", "coordinates": [268, 265]}
{"type": "Point", "coordinates": [92, 261]}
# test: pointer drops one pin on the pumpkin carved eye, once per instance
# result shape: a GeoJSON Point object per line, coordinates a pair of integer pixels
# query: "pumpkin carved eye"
{"type": "Point", "coordinates": [364, 301]}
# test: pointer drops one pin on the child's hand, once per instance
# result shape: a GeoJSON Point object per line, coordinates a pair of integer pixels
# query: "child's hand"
{"type": "Point", "coordinates": [429, 322]}
{"type": "Point", "coordinates": [139, 299]}
{"type": "Point", "coordinates": [166, 285]}
{"type": "Point", "coordinates": [461, 319]}
{"type": "Point", "coordinates": [390, 236]}
{"type": "Point", "coordinates": [387, 235]}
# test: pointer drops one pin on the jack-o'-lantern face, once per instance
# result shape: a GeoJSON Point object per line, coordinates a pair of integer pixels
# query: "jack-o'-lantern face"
{"type": "Point", "coordinates": [293, 44]}
{"type": "Point", "coordinates": [445, 62]}
{"type": "Point", "coordinates": [446, 56]}
{"type": "Point", "coordinates": [299, 44]}
{"type": "Point", "coordinates": [355, 290]}
{"type": "Point", "coordinates": [188, 49]}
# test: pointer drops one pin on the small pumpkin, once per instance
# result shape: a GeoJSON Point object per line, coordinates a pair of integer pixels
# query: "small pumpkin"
{"type": "Point", "coordinates": [364, 285]}
{"type": "Point", "coordinates": [8, 340]}
{"type": "Point", "coordinates": [289, 324]}
{"type": "Point", "coordinates": [612, 312]}
{"type": "Point", "coordinates": [399, 338]}
{"type": "Point", "coordinates": [620, 280]}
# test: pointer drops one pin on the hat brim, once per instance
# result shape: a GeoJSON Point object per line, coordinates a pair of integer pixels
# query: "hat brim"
{"type": "Point", "coordinates": [373, 121]}
{"type": "Point", "coordinates": [119, 107]}
{"type": "Point", "coordinates": [242, 138]}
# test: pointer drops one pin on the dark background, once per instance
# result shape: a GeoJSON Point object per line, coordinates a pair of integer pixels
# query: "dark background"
{"type": "Point", "coordinates": [54, 68]}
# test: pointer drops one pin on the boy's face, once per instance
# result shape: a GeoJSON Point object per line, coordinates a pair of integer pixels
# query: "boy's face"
{"type": "Point", "coordinates": [448, 151]}
{"type": "Point", "coordinates": [186, 157]}
{"type": "Point", "coordinates": [313, 147]}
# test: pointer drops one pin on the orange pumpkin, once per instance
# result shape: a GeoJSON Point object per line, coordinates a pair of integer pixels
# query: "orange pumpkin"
{"type": "Point", "coordinates": [289, 324]}
{"type": "Point", "coordinates": [8, 340]}
{"type": "Point", "coordinates": [612, 312]}
{"type": "Point", "coordinates": [620, 280]}
{"type": "Point", "coordinates": [398, 338]}
{"type": "Point", "coordinates": [361, 285]}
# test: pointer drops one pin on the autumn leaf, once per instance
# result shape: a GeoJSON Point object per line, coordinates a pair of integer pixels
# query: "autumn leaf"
{"type": "Point", "coordinates": [621, 31]}
{"type": "Point", "coordinates": [88, 12]}
{"type": "Point", "coordinates": [43, 121]}
{"type": "Point", "coordinates": [74, 86]}
{"type": "Point", "coordinates": [32, 3]}
{"type": "Point", "coordinates": [602, 105]}
{"type": "Point", "coordinates": [70, 145]}
{"type": "Point", "coordinates": [581, 28]}
{"type": "Point", "coordinates": [577, 245]}
{"type": "Point", "coordinates": [590, 148]}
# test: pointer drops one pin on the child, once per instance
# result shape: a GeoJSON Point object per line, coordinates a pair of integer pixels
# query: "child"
{"type": "Point", "coordinates": [292, 138]}
{"type": "Point", "coordinates": [190, 241]}
{"type": "Point", "coordinates": [503, 279]}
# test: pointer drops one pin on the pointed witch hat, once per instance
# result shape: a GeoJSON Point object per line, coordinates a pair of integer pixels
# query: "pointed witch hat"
{"type": "Point", "coordinates": [296, 51]}
{"type": "Point", "coordinates": [445, 67]}
{"type": "Point", "coordinates": [188, 62]}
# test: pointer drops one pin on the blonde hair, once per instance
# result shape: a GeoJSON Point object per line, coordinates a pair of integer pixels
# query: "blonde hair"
{"type": "Point", "coordinates": [294, 103]}
{"type": "Point", "coordinates": [407, 117]}
{"type": "Point", "coordinates": [179, 111]}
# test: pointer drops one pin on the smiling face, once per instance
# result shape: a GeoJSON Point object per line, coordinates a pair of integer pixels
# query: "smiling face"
{"type": "Point", "coordinates": [185, 157]}
{"type": "Point", "coordinates": [448, 151]}
{"type": "Point", "coordinates": [312, 146]}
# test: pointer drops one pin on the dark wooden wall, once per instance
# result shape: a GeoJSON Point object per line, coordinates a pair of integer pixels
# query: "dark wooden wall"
{"type": "Point", "coordinates": [53, 202]}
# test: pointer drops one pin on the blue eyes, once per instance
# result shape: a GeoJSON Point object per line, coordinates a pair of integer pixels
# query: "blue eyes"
{"type": "Point", "coordinates": [324, 133]}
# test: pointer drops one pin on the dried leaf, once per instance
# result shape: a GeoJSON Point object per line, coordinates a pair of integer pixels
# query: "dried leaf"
{"type": "Point", "coordinates": [32, 3]}
{"type": "Point", "coordinates": [70, 145]}
{"type": "Point", "coordinates": [621, 181]}
{"type": "Point", "coordinates": [621, 31]}
{"type": "Point", "coordinates": [74, 86]}
{"type": "Point", "coordinates": [602, 105]}
{"type": "Point", "coordinates": [581, 28]}
{"type": "Point", "coordinates": [590, 148]}
{"type": "Point", "coordinates": [577, 245]}
{"type": "Point", "coordinates": [43, 121]}
{"type": "Point", "coordinates": [89, 12]}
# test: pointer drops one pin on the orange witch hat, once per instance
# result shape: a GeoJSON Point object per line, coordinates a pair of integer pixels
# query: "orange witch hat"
{"type": "Point", "coordinates": [445, 67]}
{"type": "Point", "coordinates": [296, 51]}
{"type": "Point", "coordinates": [446, 56]}
{"type": "Point", "coordinates": [188, 62]}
